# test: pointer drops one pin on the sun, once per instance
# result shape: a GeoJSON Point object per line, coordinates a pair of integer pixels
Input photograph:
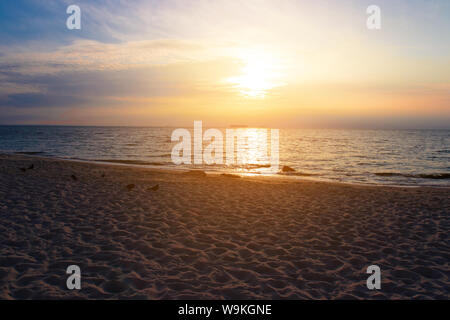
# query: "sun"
{"type": "Point", "coordinates": [259, 74]}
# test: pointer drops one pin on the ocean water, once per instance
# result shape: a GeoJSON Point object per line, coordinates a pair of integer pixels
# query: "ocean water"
{"type": "Point", "coordinates": [394, 157]}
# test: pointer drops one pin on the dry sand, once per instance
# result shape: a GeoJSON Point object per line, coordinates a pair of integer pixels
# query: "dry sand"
{"type": "Point", "coordinates": [214, 236]}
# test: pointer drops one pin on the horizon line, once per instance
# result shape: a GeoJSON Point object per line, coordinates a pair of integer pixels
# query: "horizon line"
{"type": "Point", "coordinates": [233, 127]}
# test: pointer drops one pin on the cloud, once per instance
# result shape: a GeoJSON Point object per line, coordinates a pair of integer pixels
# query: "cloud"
{"type": "Point", "coordinates": [83, 55]}
{"type": "Point", "coordinates": [94, 70]}
{"type": "Point", "coordinates": [140, 71]}
{"type": "Point", "coordinates": [38, 100]}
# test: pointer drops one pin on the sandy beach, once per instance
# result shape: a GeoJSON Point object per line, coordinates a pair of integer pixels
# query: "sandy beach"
{"type": "Point", "coordinates": [214, 237]}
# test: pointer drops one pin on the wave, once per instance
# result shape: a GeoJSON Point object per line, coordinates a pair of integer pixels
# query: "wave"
{"type": "Point", "coordinates": [137, 162]}
{"type": "Point", "coordinates": [30, 152]}
{"type": "Point", "coordinates": [247, 166]}
{"type": "Point", "coordinates": [300, 174]}
{"type": "Point", "coordinates": [163, 155]}
{"type": "Point", "coordinates": [255, 166]}
{"type": "Point", "coordinates": [417, 176]}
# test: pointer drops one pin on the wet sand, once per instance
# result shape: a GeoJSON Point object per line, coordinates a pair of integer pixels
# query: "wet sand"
{"type": "Point", "coordinates": [214, 237]}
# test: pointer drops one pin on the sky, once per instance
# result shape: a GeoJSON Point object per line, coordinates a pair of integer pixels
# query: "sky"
{"type": "Point", "coordinates": [259, 63]}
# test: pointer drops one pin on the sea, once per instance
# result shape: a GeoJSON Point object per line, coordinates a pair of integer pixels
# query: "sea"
{"type": "Point", "coordinates": [383, 157]}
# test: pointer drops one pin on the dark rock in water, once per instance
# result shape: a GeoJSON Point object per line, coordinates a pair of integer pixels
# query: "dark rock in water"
{"type": "Point", "coordinates": [154, 188]}
{"type": "Point", "coordinates": [197, 173]}
{"type": "Point", "coordinates": [130, 187]}
{"type": "Point", "coordinates": [287, 169]}
{"type": "Point", "coordinates": [74, 178]}
{"type": "Point", "coordinates": [230, 175]}
{"type": "Point", "coordinates": [31, 167]}
{"type": "Point", "coordinates": [29, 153]}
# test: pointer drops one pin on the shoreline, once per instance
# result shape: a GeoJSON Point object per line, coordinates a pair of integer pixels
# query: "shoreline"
{"type": "Point", "coordinates": [164, 168]}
